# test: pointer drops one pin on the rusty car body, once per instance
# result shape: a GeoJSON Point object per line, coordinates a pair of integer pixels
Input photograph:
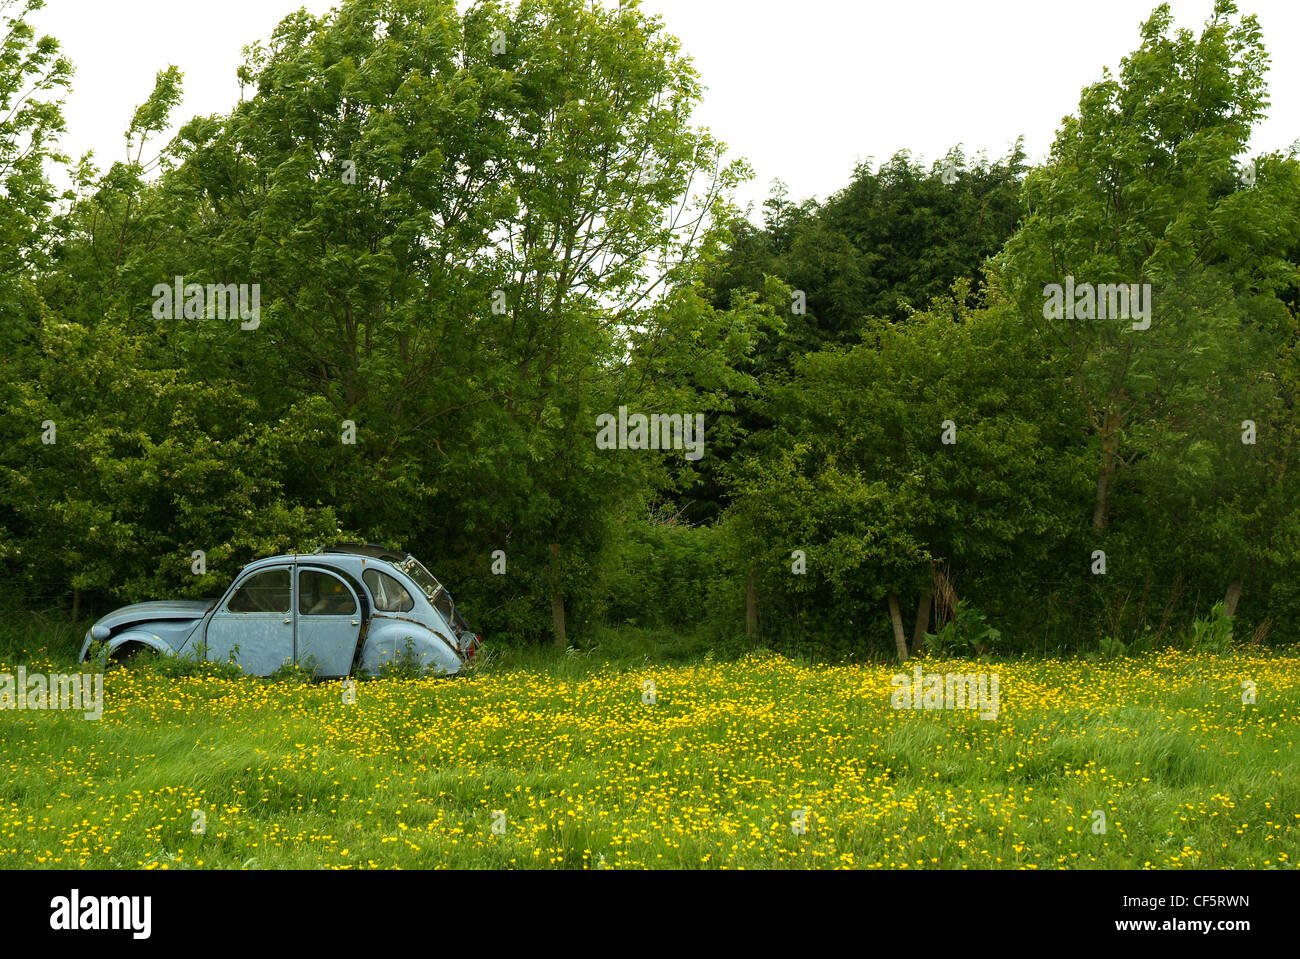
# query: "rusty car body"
{"type": "Point", "coordinates": [342, 610]}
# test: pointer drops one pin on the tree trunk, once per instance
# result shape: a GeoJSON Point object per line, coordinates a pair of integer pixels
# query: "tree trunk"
{"type": "Point", "coordinates": [76, 604]}
{"type": "Point", "coordinates": [751, 606]}
{"type": "Point", "coordinates": [557, 619]}
{"type": "Point", "coordinates": [896, 617]}
{"type": "Point", "coordinates": [1230, 600]}
{"type": "Point", "coordinates": [1106, 472]}
{"type": "Point", "coordinates": [922, 621]}
{"type": "Point", "coordinates": [557, 598]}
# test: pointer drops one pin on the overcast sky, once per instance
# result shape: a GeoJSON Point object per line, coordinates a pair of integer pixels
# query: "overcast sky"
{"type": "Point", "coordinates": [804, 89]}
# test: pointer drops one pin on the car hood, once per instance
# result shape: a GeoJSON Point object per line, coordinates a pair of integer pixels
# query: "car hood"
{"type": "Point", "coordinates": [143, 612]}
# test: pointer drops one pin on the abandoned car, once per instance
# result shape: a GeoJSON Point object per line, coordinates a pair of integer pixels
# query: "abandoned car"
{"type": "Point", "coordinates": [338, 611]}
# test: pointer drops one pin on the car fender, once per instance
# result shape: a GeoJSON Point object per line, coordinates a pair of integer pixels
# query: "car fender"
{"type": "Point", "coordinates": [386, 640]}
{"type": "Point", "coordinates": [114, 643]}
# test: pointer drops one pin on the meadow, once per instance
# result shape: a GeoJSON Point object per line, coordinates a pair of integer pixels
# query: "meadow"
{"type": "Point", "coordinates": [569, 761]}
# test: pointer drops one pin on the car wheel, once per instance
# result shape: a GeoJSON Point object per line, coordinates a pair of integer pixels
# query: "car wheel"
{"type": "Point", "coordinates": [127, 652]}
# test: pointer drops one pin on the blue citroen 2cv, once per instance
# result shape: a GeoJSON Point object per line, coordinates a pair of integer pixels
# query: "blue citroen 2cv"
{"type": "Point", "coordinates": [340, 610]}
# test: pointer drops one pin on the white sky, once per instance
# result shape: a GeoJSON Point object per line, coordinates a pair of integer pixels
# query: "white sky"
{"type": "Point", "coordinates": [804, 89]}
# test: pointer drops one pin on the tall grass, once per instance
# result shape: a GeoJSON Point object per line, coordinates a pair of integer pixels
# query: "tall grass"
{"type": "Point", "coordinates": [580, 761]}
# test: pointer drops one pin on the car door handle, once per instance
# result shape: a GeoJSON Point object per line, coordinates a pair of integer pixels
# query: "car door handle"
{"type": "Point", "coordinates": [288, 620]}
{"type": "Point", "coordinates": [356, 622]}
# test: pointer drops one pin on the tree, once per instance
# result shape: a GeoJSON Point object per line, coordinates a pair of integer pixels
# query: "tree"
{"type": "Point", "coordinates": [941, 440]}
{"type": "Point", "coordinates": [470, 234]}
{"type": "Point", "coordinates": [33, 79]}
{"type": "Point", "coordinates": [887, 244]}
{"type": "Point", "coordinates": [1143, 197]}
{"type": "Point", "coordinates": [1142, 192]}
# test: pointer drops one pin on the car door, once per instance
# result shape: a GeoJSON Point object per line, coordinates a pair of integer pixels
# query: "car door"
{"type": "Point", "coordinates": [254, 625]}
{"type": "Point", "coordinates": [329, 623]}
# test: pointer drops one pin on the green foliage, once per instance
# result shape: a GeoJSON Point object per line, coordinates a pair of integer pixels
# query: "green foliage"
{"type": "Point", "coordinates": [1144, 185]}
{"type": "Point", "coordinates": [1112, 647]}
{"type": "Point", "coordinates": [1213, 633]}
{"type": "Point", "coordinates": [1070, 435]}
{"type": "Point", "coordinates": [292, 673]}
{"type": "Point", "coordinates": [660, 572]}
{"type": "Point", "coordinates": [365, 185]}
{"type": "Point", "coordinates": [860, 478]}
{"type": "Point", "coordinates": [966, 635]}
{"type": "Point", "coordinates": [891, 242]}
{"type": "Point", "coordinates": [404, 665]}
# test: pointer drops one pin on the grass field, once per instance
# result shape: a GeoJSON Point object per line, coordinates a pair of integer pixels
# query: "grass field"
{"type": "Point", "coordinates": [574, 768]}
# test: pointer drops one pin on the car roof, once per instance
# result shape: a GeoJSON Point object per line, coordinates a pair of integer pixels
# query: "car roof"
{"type": "Point", "coordinates": [372, 550]}
{"type": "Point", "coordinates": [331, 558]}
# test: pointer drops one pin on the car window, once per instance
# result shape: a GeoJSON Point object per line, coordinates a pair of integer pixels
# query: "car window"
{"type": "Point", "coordinates": [321, 594]}
{"type": "Point", "coordinates": [264, 592]}
{"type": "Point", "coordinates": [390, 595]}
